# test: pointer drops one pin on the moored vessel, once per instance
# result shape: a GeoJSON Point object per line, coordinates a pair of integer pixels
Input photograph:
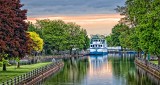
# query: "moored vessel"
{"type": "Point", "coordinates": [98, 45]}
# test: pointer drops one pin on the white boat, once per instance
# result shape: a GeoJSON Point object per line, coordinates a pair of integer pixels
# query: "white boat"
{"type": "Point", "coordinates": [98, 45]}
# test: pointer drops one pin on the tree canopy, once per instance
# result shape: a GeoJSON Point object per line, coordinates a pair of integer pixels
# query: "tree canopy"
{"type": "Point", "coordinates": [60, 36]}
{"type": "Point", "coordinates": [37, 44]}
{"type": "Point", "coordinates": [142, 18]}
{"type": "Point", "coordinates": [14, 41]}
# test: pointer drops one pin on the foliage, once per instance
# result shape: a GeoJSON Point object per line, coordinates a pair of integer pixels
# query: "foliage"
{"type": "Point", "coordinates": [143, 17]}
{"type": "Point", "coordinates": [5, 61]}
{"type": "Point", "coordinates": [87, 41]}
{"type": "Point", "coordinates": [37, 41]}
{"type": "Point", "coordinates": [75, 37]}
{"type": "Point", "coordinates": [133, 40]}
{"type": "Point", "coordinates": [115, 34]}
{"type": "Point", "coordinates": [109, 40]}
{"type": "Point", "coordinates": [17, 59]}
{"type": "Point", "coordinates": [146, 16]}
{"type": "Point", "coordinates": [1, 64]}
{"type": "Point", "coordinates": [118, 36]}
{"type": "Point", "coordinates": [13, 37]}
{"type": "Point", "coordinates": [60, 36]}
{"type": "Point", "coordinates": [124, 35]}
{"type": "Point", "coordinates": [14, 40]}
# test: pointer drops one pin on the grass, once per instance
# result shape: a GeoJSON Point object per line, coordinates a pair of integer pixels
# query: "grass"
{"type": "Point", "coordinates": [155, 62]}
{"type": "Point", "coordinates": [12, 71]}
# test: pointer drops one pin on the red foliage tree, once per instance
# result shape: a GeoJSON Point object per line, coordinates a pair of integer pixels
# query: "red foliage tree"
{"type": "Point", "coordinates": [14, 40]}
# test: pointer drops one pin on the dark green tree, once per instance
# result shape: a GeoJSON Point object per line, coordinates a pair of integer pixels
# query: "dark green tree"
{"type": "Point", "coordinates": [61, 36]}
{"type": "Point", "coordinates": [109, 40]}
{"type": "Point", "coordinates": [142, 17]}
{"type": "Point", "coordinates": [116, 32]}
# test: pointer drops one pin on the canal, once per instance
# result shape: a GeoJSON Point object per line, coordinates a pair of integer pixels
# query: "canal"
{"type": "Point", "coordinates": [111, 69]}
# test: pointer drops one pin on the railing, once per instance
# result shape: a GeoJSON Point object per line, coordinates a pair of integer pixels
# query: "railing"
{"type": "Point", "coordinates": [30, 75]}
{"type": "Point", "coordinates": [149, 64]}
{"type": "Point", "coordinates": [59, 57]}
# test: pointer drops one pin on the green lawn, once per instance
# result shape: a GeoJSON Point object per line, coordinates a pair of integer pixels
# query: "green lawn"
{"type": "Point", "coordinates": [156, 62]}
{"type": "Point", "coordinates": [12, 71]}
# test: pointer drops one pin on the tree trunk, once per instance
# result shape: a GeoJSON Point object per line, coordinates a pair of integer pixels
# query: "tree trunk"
{"type": "Point", "coordinates": [145, 55]}
{"type": "Point", "coordinates": [138, 54]}
{"type": "Point", "coordinates": [58, 51]}
{"type": "Point", "coordinates": [70, 51]}
{"type": "Point", "coordinates": [18, 65]}
{"type": "Point", "coordinates": [4, 67]}
{"type": "Point", "coordinates": [158, 60]}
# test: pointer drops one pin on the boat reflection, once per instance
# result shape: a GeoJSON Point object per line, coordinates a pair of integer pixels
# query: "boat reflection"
{"type": "Point", "coordinates": [97, 61]}
{"type": "Point", "coordinates": [99, 70]}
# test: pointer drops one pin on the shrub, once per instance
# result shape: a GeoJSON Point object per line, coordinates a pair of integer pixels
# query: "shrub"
{"type": "Point", "coordinates": [1, 64]}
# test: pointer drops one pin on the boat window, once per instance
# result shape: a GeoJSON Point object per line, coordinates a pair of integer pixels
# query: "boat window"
{"type": "Point", "coordinates": [99, 45]}
{"type": "Point", "coordinates": [93, 46]}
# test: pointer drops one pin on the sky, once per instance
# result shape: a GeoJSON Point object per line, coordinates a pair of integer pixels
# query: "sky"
{"type": "Point", "coordinates": [96, 16]}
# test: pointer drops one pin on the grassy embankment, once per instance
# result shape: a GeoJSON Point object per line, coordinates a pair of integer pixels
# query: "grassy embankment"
{"type": "Point", "coordinates": [12, 71]}
{"type": "Point", "coordinates": [155, 62]}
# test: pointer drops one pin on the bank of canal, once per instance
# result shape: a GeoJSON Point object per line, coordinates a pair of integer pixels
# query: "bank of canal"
{"type": "Point", "coordinates": [111, 69]}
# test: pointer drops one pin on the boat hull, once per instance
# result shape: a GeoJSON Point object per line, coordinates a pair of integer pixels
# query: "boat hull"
{"type": "Point", "coordinates": [100, 51]}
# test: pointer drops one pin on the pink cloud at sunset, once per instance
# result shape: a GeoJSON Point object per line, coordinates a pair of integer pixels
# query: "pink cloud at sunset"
{"type": "Point", "coordinates": [94, 24]}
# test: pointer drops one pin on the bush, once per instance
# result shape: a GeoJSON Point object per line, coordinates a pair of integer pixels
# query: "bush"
{"type": "Point", "coordinates": [1, 64]}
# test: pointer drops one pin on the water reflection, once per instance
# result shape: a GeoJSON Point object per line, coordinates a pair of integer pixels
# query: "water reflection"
{"type": "Point", "coordinates": [111, 69]}
{"type": "Point", "coordinates": [73, 72]}
{"type": "Point", "coordinates": [99, 72]}
{"type": "Point", "coordinates": [97, 61]}
{"type": "Point", "coordinates": [141, 75]}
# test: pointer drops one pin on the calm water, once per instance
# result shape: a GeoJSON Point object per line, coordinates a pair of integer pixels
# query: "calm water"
{"type": "Point", "coordinates": [111, 69]}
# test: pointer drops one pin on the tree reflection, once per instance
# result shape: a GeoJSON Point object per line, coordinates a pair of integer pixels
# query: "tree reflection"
{"type": "Point", "coordinates": [111, 69]}
{"type": "Point", "coordinates": [73, 72]}
{"type": "Point", "coordinates": [123, 68]}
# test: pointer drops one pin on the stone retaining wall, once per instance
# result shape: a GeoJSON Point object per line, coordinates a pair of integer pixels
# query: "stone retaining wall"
{"type": "Point", "coordinates": [149, 67]}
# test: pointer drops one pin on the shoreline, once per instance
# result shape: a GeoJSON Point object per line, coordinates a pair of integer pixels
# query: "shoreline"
{"type": "Point", "coordinates": [35, 75]}
{"type": "Point", "coordinates": [154, 72]}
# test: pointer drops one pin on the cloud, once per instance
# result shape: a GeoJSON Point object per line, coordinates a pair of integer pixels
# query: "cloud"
{"type": "Point", "coordinates": [96, 16]}
{"type": "Point", "coordinates": [70, 7]}
{"type": "Point", "coordinates": [94, 24]}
